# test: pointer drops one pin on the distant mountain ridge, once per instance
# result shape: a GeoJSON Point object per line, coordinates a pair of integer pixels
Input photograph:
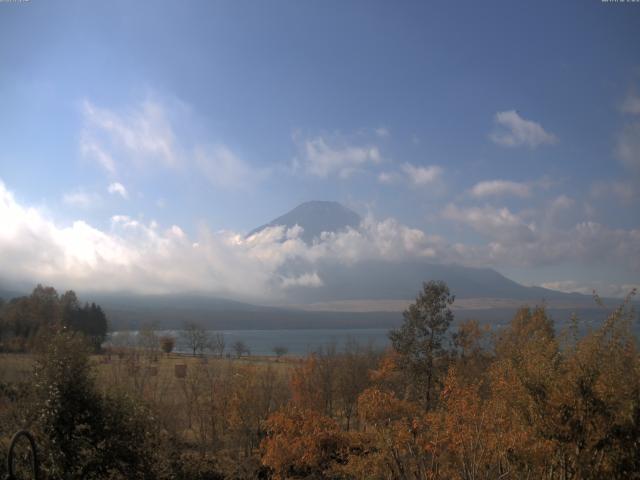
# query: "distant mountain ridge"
{"type": "Point", "coordinates": [381, 279]}
{"type": "Point", "coordinates": [315, 217]}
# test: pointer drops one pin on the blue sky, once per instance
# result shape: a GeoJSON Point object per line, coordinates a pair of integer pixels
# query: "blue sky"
{"type": "Point", "coordinates": [506, 133]}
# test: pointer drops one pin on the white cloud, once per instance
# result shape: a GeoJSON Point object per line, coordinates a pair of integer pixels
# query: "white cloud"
{"type": "Point", "coordinates": [320, 158]}
{"type": "Point", "coordinates": [81, 199]}
{"type": "Point", "coordinates": [628, 146]}
{"type": "Point", "coordinates": [532, 238]}
{"type": "Point", "coordinates": [496, 223]}
{"type": "Point", "coordinates": [631, 103]}
{"type": "Point", "coordinates": [145, 135]}
{"type": "Point", "coordinates": [500, 188]}
{"type": "Point", "coordinates": [387, 239]}
{"type": "Point", "coordinates": [142, 256]}
{"type": "Point", "coordinates": [130, 255]}
{"type": "Point", "coordinates": [118, 188]}
{"type": "Point", "coordinates": [135, 255]}
{"type": "Point", "coordinates": [388, 177]}
{"type": "Point", "coordinates": [223, 168]}
{"type": "Point", "coordinates": [514, 242]}
{"type": "Point", "coordinates": [621, 190]}
{"type": "Point", "coordinates": [382, 132]}
{"type": "Point", "coordinates": [415, 175]}
{"type": "Point", "coordinates": [420, 176]}
{"type": "Point", "coordinates": [562, 202]}
{"type": "Point", "coordinates": [304, 280]}
{"type": "Point", "coordinates": [90, 148]}
{"type": "Point", "coordinates": [517, 131]}
{"type": "Point", "coordinates": [142, 134]}
{"type": "Point", "coordinates": [558, 212]}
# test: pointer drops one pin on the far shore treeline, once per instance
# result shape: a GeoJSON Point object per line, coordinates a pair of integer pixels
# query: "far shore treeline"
{"type": "Point", "coordinates": [26, 320]}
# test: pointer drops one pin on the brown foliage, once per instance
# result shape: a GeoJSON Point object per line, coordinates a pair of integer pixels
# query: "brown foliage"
{"type": "Point", "coordinates": [300, 442]}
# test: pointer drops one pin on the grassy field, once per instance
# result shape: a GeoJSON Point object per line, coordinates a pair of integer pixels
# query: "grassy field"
{"type": "Point", "coordinates": [202, 402]}
{"type": "Point", "coordinates": [16, 367]}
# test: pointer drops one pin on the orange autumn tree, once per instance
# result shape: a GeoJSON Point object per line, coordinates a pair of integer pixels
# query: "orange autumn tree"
{"type": "Point", "coordinates": [526, 370]}
{"type": "Point", "coordinates": [594, 415]}
{"type": "Point", "coordinates": [576, 405]}
{"type": "Point", "coordinates": [305, 386]}
{"type": "Point", "coordinates": [395, 442]}
{"type": "Point", "coordinates": [388, 375]}
{"type": "Point", "coordinates": [470, 355]}
{"type": "Point", "coordinates": [477, 436]}
{"type": "Point", "coordinates": [300, 443]}
{"type": "Point", "coordinates": [534, 404]}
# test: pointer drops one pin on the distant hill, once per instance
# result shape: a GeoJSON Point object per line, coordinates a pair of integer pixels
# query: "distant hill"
{"type": "Point", "coordinates": [379, 279]}
{"type": "Point", "coordinates": [171, 311]}
{"type": "Point", "coordinates": [315, 217]}
{"type": "Point", "coordinates": [131, 311]}
{"type": "Point", "coordinates": [482, 293]}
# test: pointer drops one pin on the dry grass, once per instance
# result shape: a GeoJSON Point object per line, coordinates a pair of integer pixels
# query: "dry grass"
{"type": "Point", "coordinates": [154, 376]}
{"type": "Point", "coordinates": [111, 370]}
{"type": "Point", "coordinates": [220, 403]}
{"type": "Point", "coordinates": [15, 367]}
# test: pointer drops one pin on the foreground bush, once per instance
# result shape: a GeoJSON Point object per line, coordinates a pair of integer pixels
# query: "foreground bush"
{"type": "Point", "coordinates": [81, 431]}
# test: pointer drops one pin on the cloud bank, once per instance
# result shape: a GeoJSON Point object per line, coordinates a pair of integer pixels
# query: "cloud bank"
{"type": "Point", "coordinates": [136, 256]}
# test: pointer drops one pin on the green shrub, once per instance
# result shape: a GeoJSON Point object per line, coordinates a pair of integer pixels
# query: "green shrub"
{"type": "Point", "coordinates": [82, 432]}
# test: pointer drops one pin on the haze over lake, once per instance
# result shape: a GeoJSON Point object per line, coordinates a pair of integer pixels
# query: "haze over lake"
{"type": "Point", "coordinates": [298, 342]}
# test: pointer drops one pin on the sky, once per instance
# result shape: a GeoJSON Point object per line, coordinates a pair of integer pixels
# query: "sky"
{"type": "Point", "coordinates": [140, 141]}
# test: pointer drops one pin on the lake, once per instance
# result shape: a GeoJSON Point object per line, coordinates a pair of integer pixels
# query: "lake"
{"type": "Point", "coordinates": [297, 341]}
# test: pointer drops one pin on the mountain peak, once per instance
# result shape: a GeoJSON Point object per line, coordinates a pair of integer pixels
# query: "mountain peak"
{"type": "Point", "coordinates": [315, 217]}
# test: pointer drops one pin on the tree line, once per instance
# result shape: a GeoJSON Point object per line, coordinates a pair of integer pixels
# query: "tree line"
{"type": "Point", "coordinates": [27, 320]}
